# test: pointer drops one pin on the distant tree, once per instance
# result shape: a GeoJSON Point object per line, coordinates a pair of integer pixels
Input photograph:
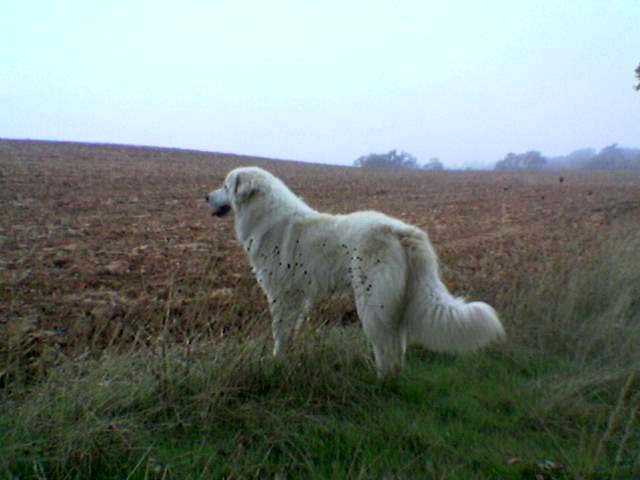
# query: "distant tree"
{"type": "Point", "coordinates": [391, 159]}
{"type": "Point", "coordinates": [532, 160]}
{"type": "Point", "coordinates": [638, 77]}
{"type": "Point", "coordinates": [614, 157]}
{"type": "Point", "coordinates": [434, 164]}
{"type": "Point", "coordinates": [508, 163]}
{"type": "Point", "coordinates": [576, 159]}
{"type": "Point", "coordinates": [581, 155]}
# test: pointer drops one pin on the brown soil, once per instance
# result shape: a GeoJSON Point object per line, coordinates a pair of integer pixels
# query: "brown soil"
{"type": "Point", "coordinates": [110, 244]}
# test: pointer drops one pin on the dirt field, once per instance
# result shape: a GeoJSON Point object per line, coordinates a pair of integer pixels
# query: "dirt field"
{"type": "Point", "coordinates": [107, 244]}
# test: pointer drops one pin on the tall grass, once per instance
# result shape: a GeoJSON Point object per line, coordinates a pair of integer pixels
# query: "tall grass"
{"type": "Point", "coordinates": [559, 399]}
{"type": "Point", "coordinates": [93, 416]}
{"type": "Point", "coordinates": [583, 315]}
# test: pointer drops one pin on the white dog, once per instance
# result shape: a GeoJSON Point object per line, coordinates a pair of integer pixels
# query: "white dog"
{"type": "Point", "coordinates": [301, 256]}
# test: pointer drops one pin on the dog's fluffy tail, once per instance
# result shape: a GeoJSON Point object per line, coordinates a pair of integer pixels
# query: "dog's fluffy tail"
{"type": "Point", "coordinates": [438, 320]}
{"type": "Point", "coordinates": [449, 324]}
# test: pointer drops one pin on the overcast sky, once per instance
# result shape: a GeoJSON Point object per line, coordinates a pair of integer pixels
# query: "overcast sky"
{"type": "Point", "coordinates": [324, 81]}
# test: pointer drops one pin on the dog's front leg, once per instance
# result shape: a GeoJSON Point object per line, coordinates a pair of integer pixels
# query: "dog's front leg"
{"type": "Point", "coordinates": [284, 318]}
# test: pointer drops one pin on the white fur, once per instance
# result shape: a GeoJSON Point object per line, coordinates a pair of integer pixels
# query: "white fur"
{"type": "Point", "coordinates": [301, 256]}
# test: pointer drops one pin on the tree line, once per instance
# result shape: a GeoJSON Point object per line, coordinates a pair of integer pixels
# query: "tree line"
{"type": "Point", "coordinates": [612, 157]}
{"type": "Point", "coordinates": [395, 160]}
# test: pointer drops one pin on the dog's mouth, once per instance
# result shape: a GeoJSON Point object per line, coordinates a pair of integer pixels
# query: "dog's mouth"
{"type": "Point", "coordinates": [221, 211]}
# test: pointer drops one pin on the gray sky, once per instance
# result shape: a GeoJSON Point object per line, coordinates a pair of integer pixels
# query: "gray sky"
{"type": "Point", "coordinates": [324, 81]}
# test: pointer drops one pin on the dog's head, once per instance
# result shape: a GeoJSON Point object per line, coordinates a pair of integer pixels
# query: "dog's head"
{"type": "Point", "coordinates": [238, 189]}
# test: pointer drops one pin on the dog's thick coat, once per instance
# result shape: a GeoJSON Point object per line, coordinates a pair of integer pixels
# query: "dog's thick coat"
{"type": "Point", "coordinates": [301, 256]}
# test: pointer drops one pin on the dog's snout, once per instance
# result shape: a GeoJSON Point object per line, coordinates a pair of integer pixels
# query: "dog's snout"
{"type": "Point", "coordinates": [206, 198]}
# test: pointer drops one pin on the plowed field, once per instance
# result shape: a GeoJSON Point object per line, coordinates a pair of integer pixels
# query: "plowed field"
{"type": "Point", "coordinates": [108, 244]}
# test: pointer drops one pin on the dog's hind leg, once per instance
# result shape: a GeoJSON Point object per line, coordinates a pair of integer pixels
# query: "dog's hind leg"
{"type": "Point", "coordinates": [388, 339]}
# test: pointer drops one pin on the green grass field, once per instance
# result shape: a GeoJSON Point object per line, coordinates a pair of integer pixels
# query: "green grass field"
{"type": "Point", "coordinates": [559, 399]}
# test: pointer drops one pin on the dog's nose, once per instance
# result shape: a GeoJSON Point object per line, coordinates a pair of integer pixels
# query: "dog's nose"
{"type": "Point", "coordinates": [206, 197]}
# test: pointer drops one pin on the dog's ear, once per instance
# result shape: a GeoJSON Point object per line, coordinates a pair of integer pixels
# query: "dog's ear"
{"type": "Point", "coordinates": [244, 186]}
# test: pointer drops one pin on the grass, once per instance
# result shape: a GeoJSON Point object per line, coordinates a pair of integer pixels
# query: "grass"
{"type": "Point", "coordinates": [559, 399]}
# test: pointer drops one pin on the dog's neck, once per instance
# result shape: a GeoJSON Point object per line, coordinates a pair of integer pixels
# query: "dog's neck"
{"type": "Point", "coordinates": [266, 209]}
